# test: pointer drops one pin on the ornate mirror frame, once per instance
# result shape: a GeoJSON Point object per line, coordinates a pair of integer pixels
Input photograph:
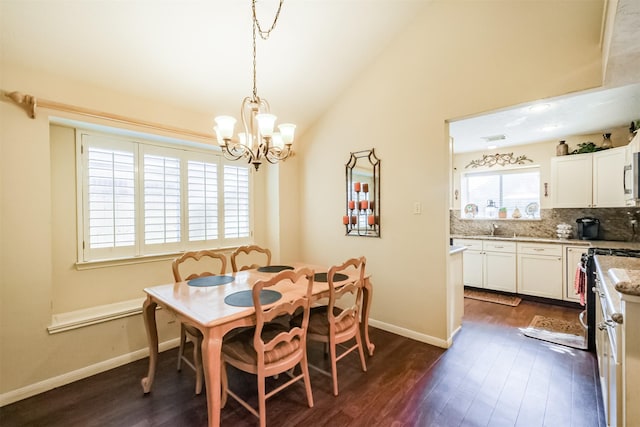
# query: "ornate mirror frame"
{"type": "Point", "coordinates": [363, 195]}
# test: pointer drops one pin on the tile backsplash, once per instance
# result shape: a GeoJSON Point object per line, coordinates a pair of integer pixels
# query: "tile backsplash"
{"type": "Point", "coordinates": [615, 224]}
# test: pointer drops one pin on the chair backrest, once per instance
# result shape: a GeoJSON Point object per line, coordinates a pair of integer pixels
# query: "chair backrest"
{"type": "Point", "coordinates": [282, 342]}
{"type": "Point", "coordinates": [352, 267]}
{"type": "Point", "coordinates": [198, 264]}
{"type": "Point", "coordinates": [241, 258]}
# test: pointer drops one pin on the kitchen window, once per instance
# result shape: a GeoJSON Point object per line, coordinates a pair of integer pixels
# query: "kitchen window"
{"type": "Point", "coordinates": [140, 198]}
{"type": "Point", "coordinates": [505, 194]}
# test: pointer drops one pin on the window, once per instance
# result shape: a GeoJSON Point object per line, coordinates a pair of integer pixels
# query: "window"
{"type": "Point", "coordinates": [141, 198]}
{"type": "Point", "coordinates": [508, 194]}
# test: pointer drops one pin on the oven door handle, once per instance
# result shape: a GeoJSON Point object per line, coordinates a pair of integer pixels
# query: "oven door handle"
{"type": "Point", "coordinates": [581, 318]}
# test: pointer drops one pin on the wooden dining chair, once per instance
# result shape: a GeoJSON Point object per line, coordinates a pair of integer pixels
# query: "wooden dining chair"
{"type": "Point", "coordinates": [271, 348]}
{"type": "Point", "coordinates": [335, 326]}
{"type": "Point", "coordinates": [242, 258]}
{"type": "Point", "coordinates": [195, 264]}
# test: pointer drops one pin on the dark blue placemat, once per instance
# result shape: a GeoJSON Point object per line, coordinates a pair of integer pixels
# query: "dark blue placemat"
{"type": "Point", "coordinates": [210, 281]}
{"type": "Point", "coordinates": [322, 277]}
{"type": "Point", "coordinates": [245, 298]}
{"type": "Point", "coordinates": [274, 268]}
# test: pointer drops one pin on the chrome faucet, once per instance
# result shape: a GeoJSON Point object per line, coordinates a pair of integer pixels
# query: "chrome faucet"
{"type": "Point", "coordinates": [494, 227]}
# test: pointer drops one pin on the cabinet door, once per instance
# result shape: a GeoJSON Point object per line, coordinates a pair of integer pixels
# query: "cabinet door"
{"type": "Point", "coordinates": [572, 258]}
{"type": "Point", "coordinates": [472, 268]}
{"type": "Point", "coordinates": [540, 275]}
{"type": "Point", "coordinates": [608, 178]}
{"type": "Point", "coordinates": [571, 181]}
{"type": "Point", "coordinates": [500, 271]}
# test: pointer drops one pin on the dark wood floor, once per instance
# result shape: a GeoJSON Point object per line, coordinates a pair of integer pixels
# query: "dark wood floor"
{"type": "Point", "coordinates": [491, 376]}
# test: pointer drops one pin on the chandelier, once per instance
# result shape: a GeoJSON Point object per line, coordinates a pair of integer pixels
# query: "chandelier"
{"type": "Point", "coordinates": [259, 140]}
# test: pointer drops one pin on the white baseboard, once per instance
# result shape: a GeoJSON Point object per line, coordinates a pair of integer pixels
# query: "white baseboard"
{"type": "Point", "coordinates": [69, 377]}
{"type": "Point", "coordinates": [438, 342]}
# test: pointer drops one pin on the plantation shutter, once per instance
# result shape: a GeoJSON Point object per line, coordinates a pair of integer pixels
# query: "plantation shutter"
{"type": "Point", "coordinates": [202, 204]}
{"type": "Point", "coordinates": [161, 199]}
{"type": "Point", "coordinates": [236, 202]}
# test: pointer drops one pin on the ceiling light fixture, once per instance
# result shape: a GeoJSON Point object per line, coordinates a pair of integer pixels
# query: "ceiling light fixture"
{"type": "Point", "coordinates": [258, 140]}
{"type": "Point", "coordinates": [539, 107]}
{"type": "Point", "coordinates": [493, 138]}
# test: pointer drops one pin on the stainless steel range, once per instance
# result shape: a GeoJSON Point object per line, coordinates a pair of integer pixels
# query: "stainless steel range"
{"type": "Point", "coordinates": [605, 325]}
{"type": "Point", "coordinates": [609, 301]}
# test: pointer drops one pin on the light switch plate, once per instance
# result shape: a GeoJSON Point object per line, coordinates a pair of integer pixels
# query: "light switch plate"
{"type": "Point", "coordinates": [417, 208]}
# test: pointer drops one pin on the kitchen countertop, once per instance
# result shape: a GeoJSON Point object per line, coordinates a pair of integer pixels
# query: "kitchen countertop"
{"type": "Point", "coordinates": [606, 244]}
{"type": "Point", "coordinates": [453, 249]}
{"type": "Point", "coordinates": [618, 275]}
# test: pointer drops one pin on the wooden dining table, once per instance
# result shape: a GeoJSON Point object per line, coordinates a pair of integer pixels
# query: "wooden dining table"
{"type": "Point", "coordinates": [204, 307]}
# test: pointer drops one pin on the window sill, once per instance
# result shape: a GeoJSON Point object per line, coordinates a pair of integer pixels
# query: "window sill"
{"type": "Point", "coordinates": [89, 265]}
{"type": "Point", "coordinates": [71, 320]}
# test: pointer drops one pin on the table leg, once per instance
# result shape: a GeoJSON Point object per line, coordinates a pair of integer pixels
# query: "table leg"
{"type": "Point", "coordinates": [367, 298]}
{"type": "Point", "coordinates": [149, 315]}
{"type": "Point", "coordinates": [211, 359]}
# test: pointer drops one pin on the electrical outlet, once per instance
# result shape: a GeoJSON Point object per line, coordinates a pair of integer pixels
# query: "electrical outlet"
{"type": "Point", "coordinates": [417, 208]}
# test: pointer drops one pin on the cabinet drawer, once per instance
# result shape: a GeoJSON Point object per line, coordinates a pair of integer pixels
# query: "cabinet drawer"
{"type": "Point", "coordinates": [499, 246]}
{"type": "Point", "coordinates": [539, 249]}
{"type": "Point", "coordinates": [469, 243]}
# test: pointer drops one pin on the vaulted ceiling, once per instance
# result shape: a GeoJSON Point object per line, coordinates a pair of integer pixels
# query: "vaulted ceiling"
{"type": "Point", "coordinates": [197, 54]}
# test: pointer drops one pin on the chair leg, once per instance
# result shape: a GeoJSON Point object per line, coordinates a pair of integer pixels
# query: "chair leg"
{"type": "Point", "coordinates": [225, 383]}
{"type": "Point", "coordinates": [361, 351]}
{"type": "Point", "coordinates": [334, 369]}
{"type": "Point", "coordinates": [306, 378]}
{"type": "Point", "coordinates": [262, 401]}
{"type": "Point", "coordinates": [197, 362]}
{"type": "Point", "coordinates": [183, 340]}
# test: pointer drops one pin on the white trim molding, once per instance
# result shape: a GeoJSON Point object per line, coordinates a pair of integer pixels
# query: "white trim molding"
{"type": "Point", "coordinates": [69, 377]}
{"type": "Point", "coordinates": [90, 316]}
{"type": "Point", "coordinates": [438, 342]}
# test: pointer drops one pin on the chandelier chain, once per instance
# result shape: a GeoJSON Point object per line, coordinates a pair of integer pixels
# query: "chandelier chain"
{"type": "Point", "coordinates": [265, 34]}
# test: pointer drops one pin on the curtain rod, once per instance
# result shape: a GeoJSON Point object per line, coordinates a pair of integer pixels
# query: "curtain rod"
{"type": "Point", "coordinates": [29, 104]}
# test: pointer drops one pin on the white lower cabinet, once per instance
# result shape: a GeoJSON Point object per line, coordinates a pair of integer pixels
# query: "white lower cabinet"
{"type": "Point", "coordinates": [545, 270]}
{"type": "Point", "coordinates": [500, 266]}
{"type": "Point", "coordinates": [489, 264]}
{"type": "Point", "coordinates": [540, 269]}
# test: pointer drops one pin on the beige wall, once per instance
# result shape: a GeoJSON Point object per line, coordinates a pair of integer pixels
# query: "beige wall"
{"type": "Point", "coordinates": [456, 59]}
{"type": "Point", "coordinates": [38, 251]}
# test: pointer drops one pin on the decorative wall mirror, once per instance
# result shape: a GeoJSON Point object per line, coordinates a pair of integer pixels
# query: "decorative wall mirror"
{"type": "Point", "coordinates": [363, 195]}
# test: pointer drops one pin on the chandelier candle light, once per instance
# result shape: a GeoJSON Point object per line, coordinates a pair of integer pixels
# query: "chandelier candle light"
{"type": "Point", "coordinates": [258, 140]}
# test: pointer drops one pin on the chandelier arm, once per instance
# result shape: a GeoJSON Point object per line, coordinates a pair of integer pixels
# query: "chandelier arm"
{"type": "Point", "coordinates": [235, 151]}
{"type": "Point", "coordinates": [276, 154]}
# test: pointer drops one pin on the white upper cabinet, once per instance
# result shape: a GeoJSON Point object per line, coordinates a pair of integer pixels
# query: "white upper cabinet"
{"type": "Point", "coordinates": [588, 180]}
{"type": "Point", "coordinates": [571, 181]}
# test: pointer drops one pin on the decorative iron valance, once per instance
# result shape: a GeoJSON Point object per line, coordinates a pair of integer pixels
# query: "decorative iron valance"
{"type": "Point", "coordinates": [498, 159]}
